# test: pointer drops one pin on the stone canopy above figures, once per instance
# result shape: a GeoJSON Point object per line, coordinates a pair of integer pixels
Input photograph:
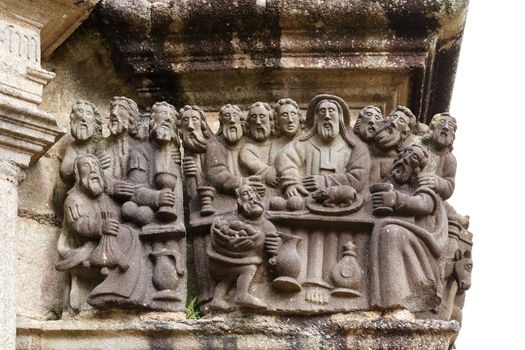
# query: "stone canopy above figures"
{"type": "Point", "coordinates": [290, 211]}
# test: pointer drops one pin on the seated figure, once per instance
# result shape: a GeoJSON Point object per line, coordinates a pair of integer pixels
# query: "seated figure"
{"type": "Point", "coordinates": [407, 249]}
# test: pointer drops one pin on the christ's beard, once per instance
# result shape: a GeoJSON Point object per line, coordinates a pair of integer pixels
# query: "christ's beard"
{"type": "Point", "coordinates": [162, 133]}
{"type": "Point", "coordinates": [387, 137]}
{"type": "Point", "coordinates": [116, 127]}
{"type": "Point", "coordinates": [327, 130]}
{"type": "Point", "coordinates": [82, 131]}
{"type": "Point", "coordinates": [194, 141]}
{"type": "Point", "coordinates": [253, 209]}
{"type": "Point", "coordinates": [401, 172]}
{"type": "Point", "coordinates": [93, 185]}
{"type": "Point", "coordinates": [232, 133]}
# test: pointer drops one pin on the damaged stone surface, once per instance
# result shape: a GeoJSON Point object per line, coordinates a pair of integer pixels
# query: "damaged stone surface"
{"type": "Point", "coordinates": [382, 53]}
{"type": "Point", "coordinates": [355, 331]}
{"type": "Point", "coordinates": [168, 49]}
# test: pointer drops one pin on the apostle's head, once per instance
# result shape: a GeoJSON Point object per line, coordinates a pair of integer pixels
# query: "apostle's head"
{"type": "Point", "coordinates": [85, 121]}
{"type": "Point", "coordinates": [124, 116]}
{"type": "Point", "coordinates": [88, 175]}
{"type": "Point", "coordinates": [249, 202]}
{"type": "Point", "coordinates": [231, 123]}
{"type": "Point", "coordinates": [395, 129]}
{"type": "Point", "coordinates": [410, 162]}
{"type": "Point", "coordinates": [368, 121]}
{"type": "Point", "coordinates": [288, 117]}
{"type": "Point", "coordinates": [162, 122]}
{"type": "Point", "coordinates": [442, 131]}
{"type": "Point", "coordinates": [260, 123]}
{"type": "Point", "coordinates": [193, 129]}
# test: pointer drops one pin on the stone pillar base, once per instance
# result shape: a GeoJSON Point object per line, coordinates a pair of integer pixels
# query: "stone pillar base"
{"type": "Point", "coordinates": [168, 331]}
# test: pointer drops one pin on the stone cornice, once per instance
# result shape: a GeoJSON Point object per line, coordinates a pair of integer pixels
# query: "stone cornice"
{"type": "Point", "coordinates": [26, 133]}
{"type": "Point", "coordinates": [161, 45]}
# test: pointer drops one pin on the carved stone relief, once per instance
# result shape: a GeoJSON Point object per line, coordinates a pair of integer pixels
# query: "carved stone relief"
{"type": "Point", "coordinates": [123, 237]}
{"type": "Point", "coordinates": [289, 211]}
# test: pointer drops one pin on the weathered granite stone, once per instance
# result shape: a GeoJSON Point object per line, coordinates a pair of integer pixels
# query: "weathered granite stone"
{"type": "Point", "coordinates": [10, 175]}
{"type": "Point", "coordinates": [361, 331]}
{"type": "Point", "coordinates": [378, 53]}
{"type": "Point", "coordinates": [43, 286]}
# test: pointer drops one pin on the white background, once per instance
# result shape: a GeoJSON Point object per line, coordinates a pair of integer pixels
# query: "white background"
{"type": "Point", "coordinates": [490, 147]}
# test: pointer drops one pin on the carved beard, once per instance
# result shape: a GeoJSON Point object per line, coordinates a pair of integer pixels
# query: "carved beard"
{"type": "Point", "coordinates": [261, 132]}
{"type": "Point", "coordinates": [328, 130]}
{"type": "Point", "coordinates": [93, 185]}
{"type": "Point", "coordinates": [232, 133]}
{"type": "Point", "coordinates": [116, 127]}
{"type": "Point", "coordinates": [194, 141]}
{"type": "Point", "coordinates": [162, 133]}
{"type": "Point", "coordinates": [401, 171]}
{"type": "Point", "coordinates": [364, 130]}
{"type": "Point", "coordinates": [252, 208]}
{"type": "Point", "coordinates": [387, 136]}
{"type": "Point", "coordinates": [443, 138]}
{"type": "Point", "coordinates": [82, 130]}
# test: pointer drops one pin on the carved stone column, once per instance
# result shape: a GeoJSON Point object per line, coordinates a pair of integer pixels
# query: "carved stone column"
{"type": "Point", "coordinates": [10, 175]}
{"type": "Point", "coordinates": [28, 30]}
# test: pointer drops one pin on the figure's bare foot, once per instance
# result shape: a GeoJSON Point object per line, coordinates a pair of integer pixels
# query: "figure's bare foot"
{"type": "Point", "coordinates": [250, 301]}
{"type": "Point", "coordinates": [316, 295]}
{"type": "Point", "coordinates": [219, 304]}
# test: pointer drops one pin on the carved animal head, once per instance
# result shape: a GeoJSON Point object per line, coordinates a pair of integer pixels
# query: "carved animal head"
{"type": "Point", "coordinates": [463, 268]}
{"type": "Point", "coordinates": [320, 195]}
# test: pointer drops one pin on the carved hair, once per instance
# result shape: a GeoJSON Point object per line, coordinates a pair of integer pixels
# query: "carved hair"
{"type": "Point", "coordinates": [342, 127]}
{"type": "Point", "coordinates": [97, 133]}
{"type": "Point", "coordinates": [221, 112]}
{"type": "Point", "coordinates": [278, 105]}
{"type": "Point", "coordinates": [77, 171]}
{"type": "Point", "coordinates": [238, 193]}
{"type": "Point", "coordinates": [361, 115]}
{"type": "Point", "coordinates": [133, 112]}
{"type": "Point", "coordinates": [205, 128]}
{"type": "Point", "coordinates": [422, 160]}
{"type": "Point", "coordinates": [267, 107]}
{"type": "Point", "coordinates": [427, 138]}
{"type": "Point", "coordinates": [413, 120]}
{"type": "Point", "coordinates": [411, 124]}
{"type": "Point", "coordinates": [174, 114]}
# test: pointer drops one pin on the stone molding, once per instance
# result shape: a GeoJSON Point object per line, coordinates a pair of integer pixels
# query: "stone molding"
{"type": "Point", "coordinates": [9, 171]}
{"type": "Point", "coordinates": [242, 332]}
{"type": "Point", "coordinates": [161, 45]}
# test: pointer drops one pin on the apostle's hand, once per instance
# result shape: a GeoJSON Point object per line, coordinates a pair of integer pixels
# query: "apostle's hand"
{"type": "Point", "coordinates": [314, 182]}
{"type": "Point", "coordinates": [110, 227]}
{"type": "Point", "coordinates": [123, 189]}
{"type": "Point", "coordinates": [175, 155]}
{"type": "Point", "coordinates": [384, 199]}
{"type": "Point", "coordinates": [428, 180]}
{"type": "Point", "coordinates": [295, 191]}
{"type": "Point", "coordinates": [272, 243]}
{"type": "Point", "coordinates": [166, 198]}
{"type": "Point", "coordinates": [189, 165]}
{"type": "Point", "coordinates": [271, 178]}
{"type": "Point", "coordinates": [256, 182]}
{"type": "Point", "coordinates": [104, 158]}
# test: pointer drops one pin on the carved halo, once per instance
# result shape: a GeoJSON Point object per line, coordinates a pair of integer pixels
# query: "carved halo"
{"type": "Point", "coordinates": [310, 113]}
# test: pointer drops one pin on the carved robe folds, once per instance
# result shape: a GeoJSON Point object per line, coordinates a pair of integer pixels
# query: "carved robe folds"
{"type": "Point", "coordinates": [406, 256]}
{"type": "Point", "coordinates": [339, 162]}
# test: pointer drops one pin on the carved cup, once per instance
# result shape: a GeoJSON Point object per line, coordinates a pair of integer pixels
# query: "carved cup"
{"type": "Point", "coordinates": [166, 182]}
